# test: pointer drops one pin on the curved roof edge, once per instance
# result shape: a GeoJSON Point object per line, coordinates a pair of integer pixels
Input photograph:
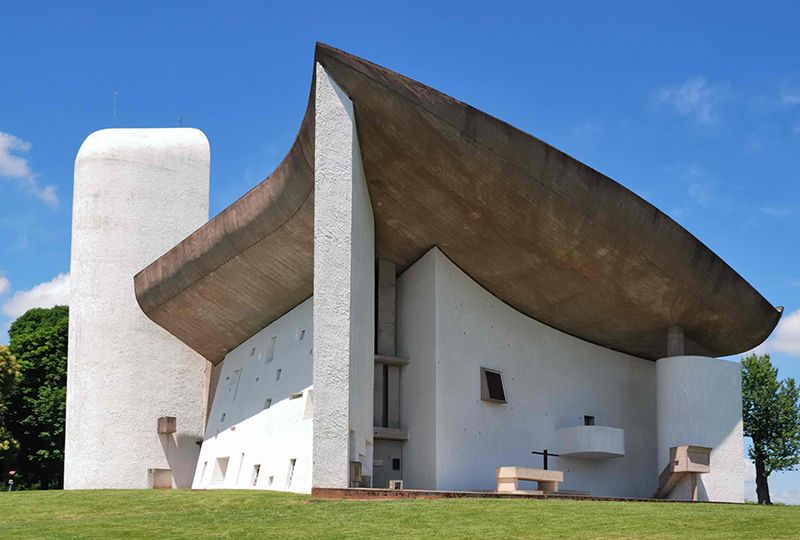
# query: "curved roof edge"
{"type": "Point", "coordinates": [546, 234]}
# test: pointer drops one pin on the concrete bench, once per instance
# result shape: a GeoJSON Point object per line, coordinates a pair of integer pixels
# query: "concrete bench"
{"type": "Point", "coordinates": [508, 479]}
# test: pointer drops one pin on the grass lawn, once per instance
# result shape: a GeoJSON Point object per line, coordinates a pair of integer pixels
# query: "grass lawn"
{"type": "Point", "coordinates": [258, 514]}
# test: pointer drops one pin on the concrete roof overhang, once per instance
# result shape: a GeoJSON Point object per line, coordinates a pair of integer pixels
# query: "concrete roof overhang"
{"type": "Point", "coordinates": [546, 234]}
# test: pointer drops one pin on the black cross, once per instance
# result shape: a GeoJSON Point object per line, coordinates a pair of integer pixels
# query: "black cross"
{"type": "Point", "coordinates": [544, 455]}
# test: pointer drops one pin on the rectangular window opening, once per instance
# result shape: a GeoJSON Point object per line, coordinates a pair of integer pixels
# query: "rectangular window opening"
{"type": "Point", "coordinates": [254, 476]}
{"type": "Point", "coordinates": [492, 388]}
{"type": "Point", "coordinates": [268, 403]}
{"type": "Point", "coordinates": [233, 385]}
{"type": "Point", "coordinates": [588, 420]}
{"type": "Point", "coordinates": [220, 469]}
{"type": "Point", "coordinates": [278, 375]}
{"type": "Point", "coordinates": [269, 354]}
{"type": "Point", "coordinates": [295, 395]}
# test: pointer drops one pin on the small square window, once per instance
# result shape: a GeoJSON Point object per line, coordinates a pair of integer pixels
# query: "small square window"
{"type": "Point", "coordinates": [492, 388]}
{"type": "Point", "coordinates": [588, 420]}
{"type": "Point", "coordinates": [268, 403]}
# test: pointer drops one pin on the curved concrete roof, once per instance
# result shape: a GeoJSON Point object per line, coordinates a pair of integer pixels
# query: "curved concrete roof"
{"type": "Point", "coordinates": [543, 232]}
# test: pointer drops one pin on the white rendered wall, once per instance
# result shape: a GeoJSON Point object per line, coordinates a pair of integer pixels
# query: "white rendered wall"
{"type": "Point", "coordinates": [250, 434]}
{"type": "Point", "coordinates": [551, 379]}
{"type": "Point", "coordinates": [416, 340]}
{"type": "Point", "coordinates": [137, 193]}
{"type": "Point", "coordinates": [700, 403]}
{"type": "Point", "coordinates": [344, 292]}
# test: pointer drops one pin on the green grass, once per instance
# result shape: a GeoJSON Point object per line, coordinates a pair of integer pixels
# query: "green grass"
{"type": "Point", "coordinates": [252, 514]}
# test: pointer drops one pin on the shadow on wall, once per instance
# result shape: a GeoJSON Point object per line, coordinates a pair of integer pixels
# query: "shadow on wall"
{"type": "Point", "coordinates": [182, 453]}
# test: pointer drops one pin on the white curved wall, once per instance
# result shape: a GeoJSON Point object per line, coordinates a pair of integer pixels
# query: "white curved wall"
{"type": "Point", "coordinates": [699, 402]}
{"type": "Point", "coordinates": [448, 328]}
{"type": "Point", "coordinates": [137, 193]}
{"type": "Point", "coordinates": [244, 431]}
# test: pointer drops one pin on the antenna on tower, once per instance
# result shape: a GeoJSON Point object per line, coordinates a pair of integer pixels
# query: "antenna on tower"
{"type": "Point", "coordinates": [115, 107]}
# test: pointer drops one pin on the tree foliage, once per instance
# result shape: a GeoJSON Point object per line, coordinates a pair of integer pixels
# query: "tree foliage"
{"type": "Point", "coordinates": [771, 415]}
{"type": "Point", "coordinates": [9, 377]}
{"type": "Point", "coordinates": [36, 410]}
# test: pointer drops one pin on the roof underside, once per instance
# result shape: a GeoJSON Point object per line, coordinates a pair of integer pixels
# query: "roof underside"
{"type": "Point", "coordinates": [543, 232]}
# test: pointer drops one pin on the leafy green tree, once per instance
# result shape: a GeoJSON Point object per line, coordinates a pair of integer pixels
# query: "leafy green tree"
{"type": "Point", "coordinates": [771, 415]}
{"type": "Point", "coordinates": [36, 410]}
{"type": "Point", "coordinates": [9, 377]}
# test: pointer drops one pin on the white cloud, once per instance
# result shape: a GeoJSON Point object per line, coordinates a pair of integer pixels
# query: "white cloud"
{"type": "Point", "coordinates": [11, 165]}
{"type": "Point", "coordinates": [787, 496]}
{"type": "Point", "coordinates": [779, 493]}
{"type": "Point", "coordinates": [15, 167]}
{"type": "Point", "coordinates": [777, 211]}
{"type": "Point", "coordinates": [749, 479]}
{"type": "Point", "coordinates": [694, 98]}
{"type": "Point", "coordinates": [785, 338]}
{"type": "Point", "coordinates": [749, 470]}
{"type": "Point", "coordinates": [702, 193]}
{"type": "Point", "coordinates": [48, 294]}
{"type": "Point", "coordinates": [4, 284]}
{"type": "Point", "coordinates": [790, 98]}
{"type": "Point", "coordinates": [588, 133]}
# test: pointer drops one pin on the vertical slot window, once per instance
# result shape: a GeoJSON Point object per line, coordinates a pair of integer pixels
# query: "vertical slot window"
{"type": "Point", "coordinates": [269, 354]}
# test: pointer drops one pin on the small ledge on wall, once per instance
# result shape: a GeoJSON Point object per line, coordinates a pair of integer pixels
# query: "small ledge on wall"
{"type": "Point", "coordinates": [591, 442]}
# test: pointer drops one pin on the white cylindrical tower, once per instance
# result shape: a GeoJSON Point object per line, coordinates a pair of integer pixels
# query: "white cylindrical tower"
{"type": "Point", "coordinates": [699, 403]}
{"type": "Point", "coordinates": [137, 193]}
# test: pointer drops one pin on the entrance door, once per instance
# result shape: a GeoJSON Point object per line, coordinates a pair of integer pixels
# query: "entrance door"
{"type": "Point", "coordinates": [387, 462]}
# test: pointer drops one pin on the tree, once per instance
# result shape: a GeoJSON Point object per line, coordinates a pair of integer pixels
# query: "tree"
{"type": "Point", "coordinates": [9, 377]}
{"type": "Point", "coordinates": [771, 415]}
{"type": "Point", "coordinates": [36, 410]}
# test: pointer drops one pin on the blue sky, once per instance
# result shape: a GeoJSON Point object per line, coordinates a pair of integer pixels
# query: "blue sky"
{"type": "Point", "coordinates": [694, 107]}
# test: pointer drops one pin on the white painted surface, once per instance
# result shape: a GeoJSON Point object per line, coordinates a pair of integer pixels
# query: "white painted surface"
{"type": "Point", "coordinates": [700, 403]}
{"type": "Point", "coordinates": [344, 289]}
{"type": "Point", "coordinates": [551, 380]}
{"type": "Point", "coordinates": [250, 434]}
{"type": "Point", "coordinates": [137, 193]}
{"type": "Point", "coordinates": [416, 340]}
{"type": "Point", "coordinates": [591, 442]}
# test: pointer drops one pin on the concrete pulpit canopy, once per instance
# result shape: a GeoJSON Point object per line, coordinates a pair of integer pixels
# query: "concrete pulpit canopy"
{"type": "Point", "coordinates": [548, 235]}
